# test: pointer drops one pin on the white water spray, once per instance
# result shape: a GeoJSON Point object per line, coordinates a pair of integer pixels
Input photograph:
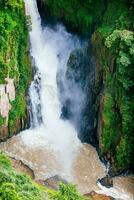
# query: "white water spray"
{"type": "Point", "coordinates": [50, 50]}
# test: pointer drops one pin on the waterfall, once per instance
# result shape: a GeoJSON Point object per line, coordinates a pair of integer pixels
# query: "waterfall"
{"type": "Point", "coordinates": [50, 50]}
{"type": "Point", "coordinates": [51, 145]}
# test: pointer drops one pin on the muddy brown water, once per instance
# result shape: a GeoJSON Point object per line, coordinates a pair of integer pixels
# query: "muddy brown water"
{"type": "Point", "coordinates": [86, 167]}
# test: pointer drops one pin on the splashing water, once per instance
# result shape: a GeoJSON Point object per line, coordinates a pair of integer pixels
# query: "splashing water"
{"type": "Point", "coordinates": [51, 145]}
{"type": "Point", "coordinates": [50, 50]}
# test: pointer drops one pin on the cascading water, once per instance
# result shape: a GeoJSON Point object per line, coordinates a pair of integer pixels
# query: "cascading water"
{"type": "Point", "coordinates": [34, 104]}
{"type": "Point", "coordinates": [50, 50]}
{"type": "Point", "coordinates": [51, 145]}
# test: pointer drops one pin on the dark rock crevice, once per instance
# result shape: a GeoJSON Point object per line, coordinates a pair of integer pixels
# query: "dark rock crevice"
{"type": "Point", "coordinates": [82, 75]}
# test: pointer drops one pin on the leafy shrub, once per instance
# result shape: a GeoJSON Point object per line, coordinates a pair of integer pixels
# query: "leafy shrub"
{"type": "Point", "coordinates": [4, 177]}
{"type": "Point", "coordinates": [4, 161]}
{"type": "Point", "coordinates": [7, 192]}
{"type": "Point", "coordinates": [16, 186]}
{"type": "Point", "coordinates": [124, 152]}
{"type": "Point", "coordinates": [68, 192]}
{"type": "Point", "coordinates": [114, 42]}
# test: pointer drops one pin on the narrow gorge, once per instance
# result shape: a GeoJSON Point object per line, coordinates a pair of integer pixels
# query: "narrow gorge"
{"type": "Point", "coordinates": [66, 98]}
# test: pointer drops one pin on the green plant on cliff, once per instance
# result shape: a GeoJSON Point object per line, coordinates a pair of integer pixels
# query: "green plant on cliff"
{"type": "Point", "coordinates": [14, 56]}
{"type": "Point", "coordinates": [115, 41]}
{"type": "Point", "coordinates": [16, 4]}
{"type": "Point", "coordinates": [122, 42]}
{"type": "Point", "coordinates": [124, 152]}
{"type": "Point", "coordinates": [81, 15]}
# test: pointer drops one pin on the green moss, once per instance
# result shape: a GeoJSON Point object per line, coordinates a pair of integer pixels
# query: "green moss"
{"type": "Point", "coordinates": [115, 9]}
{"type": "Point", "coordinates": [124, 152]}
{"type": "Point", "coordinates": [80, 15]}
{"type": "Point", "coordinates": [113, 45]}
{"type": "Point", "coordinates": [14, 56]}
{"type": "Point", "coordinates": [2, 121]}
{"type": "Point", "coordinates": [108, 124]}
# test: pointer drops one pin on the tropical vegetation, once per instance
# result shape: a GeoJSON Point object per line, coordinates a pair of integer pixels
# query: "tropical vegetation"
{"type": "Point", "coordinates": [17, 186]}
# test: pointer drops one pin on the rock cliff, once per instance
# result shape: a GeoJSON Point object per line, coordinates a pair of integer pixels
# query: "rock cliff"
{"type": "Point", "coordinates": [15, 69]}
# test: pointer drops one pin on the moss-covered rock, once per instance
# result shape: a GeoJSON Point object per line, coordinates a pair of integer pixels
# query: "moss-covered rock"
{"type": "Point", "coordinates": [112, 43]}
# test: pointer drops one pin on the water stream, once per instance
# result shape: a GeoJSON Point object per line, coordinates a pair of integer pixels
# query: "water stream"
{"type": "Point", "coordinates": [51, 145]}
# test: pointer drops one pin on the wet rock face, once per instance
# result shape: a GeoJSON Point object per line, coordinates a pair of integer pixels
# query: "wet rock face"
{"type": "Point", "coordinates": [19, 166]}
{"type": "Point", "coordinates": [65, 110]}
{"type": "Point", "coordinates": [7, 96]}
{"type": "Point", "coordinates": [20, 124]}
{"type": "Point", "coordinates": [81, 105]}
{"type": "Point", "coordinates": [45, 14]}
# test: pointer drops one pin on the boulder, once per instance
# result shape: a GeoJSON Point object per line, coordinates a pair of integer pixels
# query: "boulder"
{"type": "Point", "coordinates": [54, 181]}
{"type": "Point", "coordinates": [107, 181]}
{"type": "Point", "coordinates": [95, 196]}
{"type": "Point", "coordinates": [19, 166]}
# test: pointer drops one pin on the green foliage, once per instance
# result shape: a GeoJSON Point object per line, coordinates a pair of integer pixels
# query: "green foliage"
{"type": "Point", "coordinates": [124, 152]}
{"type": "Point", "coordinates": [18, 110]}
{"type": "Point", "coordinates": [108, 138]}
{"type": "Point", "coordinates": [68, 192]}
{"type": "Point", "coordinates": [4, 161]}
{"type": "Point", "coordinates": [4, 177]}
{"type": "Point", "coordinates": [114, 42]}
{"type": "Point", "coordinates": [7, 192]}
{"type": "Point", "coordinates": [16, 186]}
{"type": "Point", "coordinates": [12, 4]}
{"type": "Point", "coordinates": [2, 121]}
{"type": "Point", "coordinates": [80, 15]}
{"type": "Point", "coordinates": [14, 57]}
{"type": "Point", "coordinates": [122, 44]}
